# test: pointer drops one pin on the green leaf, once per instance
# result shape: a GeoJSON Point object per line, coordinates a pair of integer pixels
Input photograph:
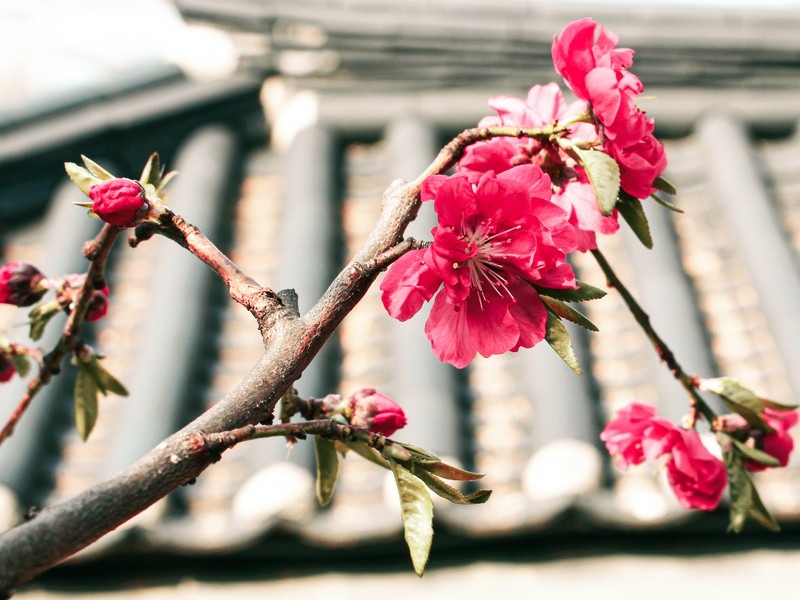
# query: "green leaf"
{"type": "Point", "coordinates": [452, 473]}
{"type": "Point", "coordinates": [666, 203]}
{"type": "Point", "coordinates": [365, 451]}
{"type": "Point", "coordinates": [327, 469]}
{"type": "Point", "coordinates": [106, 382]}
{"type": "Point", "coordinates": [417, 510]}
{"type": "Point", "coordinates": [603, 173]}
{"type": "Point", "coordinates": [583, 293]}
{"type": "Point", "coordinates": [739, 399]}
{"type": "Point", "coordinates": [754, 454]}
{"type": "Point", "coordinates": [558, 338]}
{"type": "Point", "coordinates": [40, 316]}
{"type": "Point", "coordinates": [86, 391]}
{"type": "Point", "coordinates": [741, 491]}
{"type": "Point", "coordinates": [81, 177]}
{"type": "Point", "coordinates": [663, 185]}
{"type": "Point", "coordinates": [21, 364]}
{"type": "Point", "coordinates": [420, 455]}
{"type": "Point", "coordinates": [448, 492]}
{"type": "Point", "coordinates": [632, 211]}
{"type": "Point", "coordinates": [766, 403]}
{"type": "Point", "coordinates": [565, 311]}
{"type": "Point", "coordinates": [96, 169]}
{"type": "Point", "coordinates": [151, 174]}
{"type": "Point", "coordinates": [760, 513]}
{"type": "Point", "coordinates": [165, 180]}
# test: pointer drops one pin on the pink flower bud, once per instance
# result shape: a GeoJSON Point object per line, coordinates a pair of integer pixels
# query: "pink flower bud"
{"type": "Point", "coordinates": [21, 284]}
{"type": "Point", "coordinates": [7, 369]}
{"type": "Point", "coordinates": [119, 201]}
{"type": "Point", "coordinates": [374, 411]}
{"type": "Point", "coordinates": [98, 305]}
{"type": "Point", "coordinates": [779, 443]}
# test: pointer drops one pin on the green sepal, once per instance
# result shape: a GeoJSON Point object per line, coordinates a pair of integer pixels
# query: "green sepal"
{"type": "Point", "coordinates": [603, 174]}
{"type": "Point", "coordinates": [448, 492]}
{"type": "Point", "coordinates": [632, 211]}
{"type": "Point", "coordinates": [558, 338]}
{"type": "Point", "coordinates": [327, 469]}
{"type": "Point", "coordinates": [739, 399]}
{"type": "Point", "coordinates": [417, 511]}
{"type": "Point", "coordinates": [663, 185]}
{"type": "Point", "coordinates": [96, 169]}
{"type": "Point", "coordinates": [565, 311]}
{"type": "Point", "coordinates": [21, 364]}
{"type": "Point", "coordinates": [81, 177]}
{"type": "Point", "coordinates": [584, 292]}
{"type": "Point", "coordinates": [86, 390]}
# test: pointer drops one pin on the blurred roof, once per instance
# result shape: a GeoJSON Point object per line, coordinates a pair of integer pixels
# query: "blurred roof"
{"type": "Point", "coordinates": [359, 93]}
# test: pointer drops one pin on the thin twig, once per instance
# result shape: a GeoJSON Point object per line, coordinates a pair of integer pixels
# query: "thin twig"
{"type": "Point", "coordinates": [97, 252]}
{"type": "Point", "coordinates": [689, 382]}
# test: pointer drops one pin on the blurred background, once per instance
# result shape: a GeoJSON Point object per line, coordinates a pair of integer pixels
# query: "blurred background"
{"type": "Point", "coordinates": [287, 120]}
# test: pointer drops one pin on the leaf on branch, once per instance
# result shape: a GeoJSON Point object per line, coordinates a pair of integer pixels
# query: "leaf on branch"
{"type": "Point", "coordinates": [744, 497]}
{"type": "Point", "coordinates": [40, 316]}
{"type": "Point", "coordinates": [558, 338]}
{"type": "Point", "coordinates": [96, 169]}
{"type": "Point", "coordinates": [327, 469]}
{"type": "Point", "coordinates": [21, 364]}
{"type": "Point", "coordinates": [666, 203]}
{"type": "Point", "coordinates": [565, 311]}
{"type": "Point", "coordinates": [417, 511]}
{"type": "Point", "coordinates": [152, 172]}
{"type": "Point", "coordinates": [603, 173]}
{"type": "Point", "coordinates": [755, 454]}
{"type": "Point", "coordinates": [365, 451]}
{"type": "Point", "coordinates": [583, 293]}
{"type": "Point", "coordinates": [663, 185]}
{"type": "Point", "coordinates": [739, 399]}
{"type": "Point", "coordinates": [81, 177]}
{"type": "Point", "coordinates": [760, 513]}
{"type": "Point", "coordinates": [105, 381]}
{"type": "Point", "coordinates": [632, 211]}
{"type": "Point", "coordinates": [452, 473]}
{"type": "Point", "coordinates": [767, 403]}
{"type": "Point", "coordinates": [448, 492]}
{"type": "Point", "coordinates": [86, 391]}
{"type": "Point", "coordinates": [420, 455]}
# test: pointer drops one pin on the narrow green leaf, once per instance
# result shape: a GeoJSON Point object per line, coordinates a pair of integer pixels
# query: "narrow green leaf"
{"type": "Point", "coordinates": [603, 173]}
{"type": "Point", "coordinates": [760, 513]}
{"type": "Point", "coordinates": [327, 469]}
{"type": "Point", "coordinates": [565, 311]}
{"type": "Point", "coordinates": [741, 491]}
{"type": "Point", "coordinates": [40, 316]}
{"type": "Point", "coordinates": [666, 203]}
{"type": "Point", "coordinates": [21, 364]}
{"type": "Point", "coordinates": [755, 454]}
{"type": "Point", "coordinates": [584, 292]}
{"type": "Point", "coordinates": [365, 451]}
{"type": "Point", "coordinates": [417, 510]}
{"type": "Point", "coordinates": [739, 399]}
{"type": "Point", "coordinates": [85, 401]}
{"type": "Point", "coordinates": [452, 473]}
{"type": "Point", "coordinates": [448, 492]}
{"type": "Point", "coordinates": [766, 403]}
{"type": "Point", "coordinates": [81, 177]}
{"type": "Point", "coordinates": [420, 455]}
{"type": "Point", "coordinates": [558, 338]}
{"type": "Point", "coordinates": [106, 382]}
{"type": "Point", "coordinates": [96, 169]}
{"type": "Point", "coordinates": [165, 180]}
{"type": "Point", "coordinates": [152, 171]}
{"type": "Point", "coordinates": [665, 186]}
{"type": "Point", "coordinates": [632, 211]}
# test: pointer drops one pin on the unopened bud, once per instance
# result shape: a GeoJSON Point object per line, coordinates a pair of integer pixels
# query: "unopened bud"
{"type": "Point", "coordinates": [21, 284]}
{"type": "Point", "coordinates": [7, 368]}
{"type": "Point", "coordinates": [119, 201]}
{"type": "Point", "coordinates": [376, 412]}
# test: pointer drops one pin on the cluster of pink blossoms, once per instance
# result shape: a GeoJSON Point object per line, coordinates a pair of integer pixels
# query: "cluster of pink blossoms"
{"type": "Point", "coordinates": [697, 477]}
{"type": "Point", "coordinates": [518, 206]}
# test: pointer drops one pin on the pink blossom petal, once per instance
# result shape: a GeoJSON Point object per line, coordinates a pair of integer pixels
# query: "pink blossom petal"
{"type": "Point", "coordinates": [407, 285]}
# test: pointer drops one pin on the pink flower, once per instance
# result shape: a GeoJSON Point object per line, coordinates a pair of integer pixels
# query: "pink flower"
{"type": "Point", "coordinates": [375, 411]}
{"type": "Point", "coordinates": [636, 434]}
{"type": "Point", "coordinates": [544, 106]}
{"type": "Point", "coordinates": [696, 476]}
{"type": "Point", "coordinates": [98, 304]}
{"type": "Point", "coordinates": [497, 235]}
{"type": "Point", "coordinates": [779, 443]}
{"type": "Point", "coordinates": [21, 284]}
{"type": "Point", "coordinates": [119, 201]}
{"type": "Point", "coordinates": [585, 54]}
